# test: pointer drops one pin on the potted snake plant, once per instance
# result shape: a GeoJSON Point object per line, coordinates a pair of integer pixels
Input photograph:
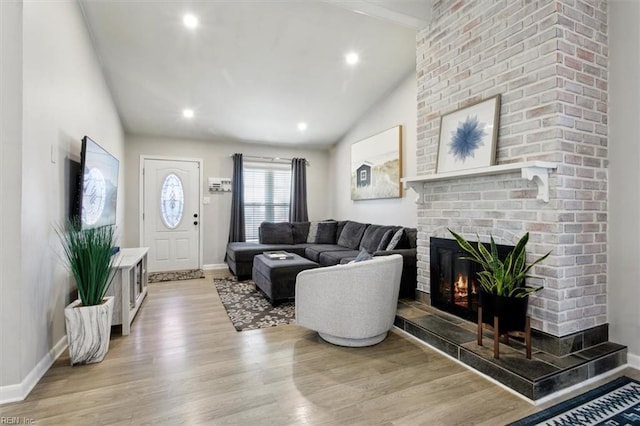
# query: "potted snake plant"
{"type": "Point", "coordinates": [503, 288]}
{"type": "Point", "coordinates": [87, 254]}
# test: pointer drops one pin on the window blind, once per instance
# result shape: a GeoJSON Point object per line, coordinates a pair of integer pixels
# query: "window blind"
{"type": "Point", "coordinates": [266, 195]}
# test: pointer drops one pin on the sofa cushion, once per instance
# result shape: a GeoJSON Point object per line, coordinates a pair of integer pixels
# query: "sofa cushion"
{"type": "Point", "coordinates": [322, 232]}
{"type": "Point", "coordinates": [412, 237]}
{"type": "Point", "coordinates": [275, 233]}
{"type": "Point", "coordinates": [372, 237]}
{"type": "Point", "coordinates": [330, 258]}
{"type": "Point", "coordinates": [351, 235]}
{"type": "Point", "coordinates": [341, 224]}
{"type": "Point", "coordinates": [326, 233]}
{"type": "Point", "coordinates": [314, 251]}
{"type": "Point", "coordinates": [300, 232]}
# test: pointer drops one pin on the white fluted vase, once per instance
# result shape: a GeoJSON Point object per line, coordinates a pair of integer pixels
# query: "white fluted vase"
{"type": "Point", "coordinates": [88, 331]}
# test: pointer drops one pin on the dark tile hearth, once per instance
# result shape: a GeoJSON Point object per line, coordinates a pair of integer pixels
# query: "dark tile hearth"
{"type": "Point", "coordinates": [546, 372]}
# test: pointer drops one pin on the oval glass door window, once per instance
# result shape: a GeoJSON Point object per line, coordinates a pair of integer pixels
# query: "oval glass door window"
{"type": "Point", "coordinates": [172, 201]}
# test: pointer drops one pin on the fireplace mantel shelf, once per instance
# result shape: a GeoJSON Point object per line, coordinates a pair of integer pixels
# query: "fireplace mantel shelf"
{"type": "Point", "coordinates": [535, 171]}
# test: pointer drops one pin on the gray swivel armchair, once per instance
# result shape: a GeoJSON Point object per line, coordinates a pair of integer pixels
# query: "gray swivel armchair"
{"type": "Point", "coordinates": [350, 305]}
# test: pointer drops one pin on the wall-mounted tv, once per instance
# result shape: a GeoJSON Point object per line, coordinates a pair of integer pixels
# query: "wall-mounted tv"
{"type": "Point", "coordinates": [99, 187]}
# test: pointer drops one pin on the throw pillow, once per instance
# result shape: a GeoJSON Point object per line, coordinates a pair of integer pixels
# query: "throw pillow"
{"type": "Point", "coordinates": [362, 256]}
{"type": "Point", "coordinates": [313, 230]}
{"type": "Point", "coordinates": [385, 240]}
{"type": "Point", "coordinates": [275, 233]}
{"type": "Point", "coordinates": [326, 233]}
{"type": "Point", "coordinates": [395, 239]}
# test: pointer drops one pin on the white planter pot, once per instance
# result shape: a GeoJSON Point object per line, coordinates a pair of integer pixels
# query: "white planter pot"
{"type": "Point", "coordinates": [88, 331]}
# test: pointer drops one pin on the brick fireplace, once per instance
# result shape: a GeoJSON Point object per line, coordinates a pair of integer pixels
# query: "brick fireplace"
{"type": "Point", "coordinates": [548, 60]}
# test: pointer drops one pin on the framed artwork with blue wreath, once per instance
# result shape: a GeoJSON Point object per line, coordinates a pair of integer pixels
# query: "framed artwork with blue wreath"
{"type": "Point", "coordinates": [468, 137]}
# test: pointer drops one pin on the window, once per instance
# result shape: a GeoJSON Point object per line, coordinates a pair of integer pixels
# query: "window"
{"type": "Point", "coordinates": [266, 195]}
{"type": "Point", "coordinates": [363, 175]}
{"type": "Point", "coordinates": [171, 201]}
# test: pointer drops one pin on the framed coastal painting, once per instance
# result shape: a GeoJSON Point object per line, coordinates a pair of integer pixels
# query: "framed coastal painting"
{"type": "Point", "coordinates": [468, 137]}
{"type": "Point", "coordinates": [376, 166]}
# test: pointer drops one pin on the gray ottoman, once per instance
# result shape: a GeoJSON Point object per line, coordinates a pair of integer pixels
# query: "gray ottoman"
{"type": "Point", "coordinates": [276, 278]}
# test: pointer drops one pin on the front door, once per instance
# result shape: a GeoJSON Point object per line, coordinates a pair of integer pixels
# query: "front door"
{"type": "Point", "coordinates": [171, 214]}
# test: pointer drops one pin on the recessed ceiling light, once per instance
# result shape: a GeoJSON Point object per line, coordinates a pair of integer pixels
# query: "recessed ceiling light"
{"type": "Point", "coordinates": [351, 58]}
{"type": "Point", "coordinates": [190, 21]}
{"type": "Point", "coordinates": [302, 126]}
{"type": "Point", "coordinates": [187, 113]}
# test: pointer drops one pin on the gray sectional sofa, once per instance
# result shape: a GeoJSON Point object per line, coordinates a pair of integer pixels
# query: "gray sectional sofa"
{"type": "Point", "coordinates": [330, 243]}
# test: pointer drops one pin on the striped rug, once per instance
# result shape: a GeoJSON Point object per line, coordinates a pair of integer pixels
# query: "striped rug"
{"type": "Point", "coordinates": [614, 403]}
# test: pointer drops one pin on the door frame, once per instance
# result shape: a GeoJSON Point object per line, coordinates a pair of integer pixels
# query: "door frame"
{"type": "Point", "coordinates": [143, 158]}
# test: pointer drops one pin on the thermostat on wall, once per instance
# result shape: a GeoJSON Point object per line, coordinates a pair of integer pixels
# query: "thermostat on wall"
{"type": "Point", "coordinates": [219, 184]}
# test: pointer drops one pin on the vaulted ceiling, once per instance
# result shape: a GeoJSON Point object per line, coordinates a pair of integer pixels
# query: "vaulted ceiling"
{"type": "Point", "coordinates": [253, 70]}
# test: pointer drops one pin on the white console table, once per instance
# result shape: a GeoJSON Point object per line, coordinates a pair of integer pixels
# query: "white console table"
{"type": "Point", "coordinates": [129, 286]}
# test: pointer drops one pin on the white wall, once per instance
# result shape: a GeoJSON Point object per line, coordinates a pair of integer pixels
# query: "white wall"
{"type": "Point", "coordinates": [624, 175]}
{"type": "Point", "coordinates": [398, 107]}
{"type": "Point", "coordinates": [64, 98]}
{"type": "Point", "coordinates": [10, 193]}
{"type": "Point", "coordinates": [217, 163]}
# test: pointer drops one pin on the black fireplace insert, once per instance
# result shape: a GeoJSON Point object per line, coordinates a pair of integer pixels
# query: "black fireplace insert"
{"type": "Point", "coordinates": [454, 286]}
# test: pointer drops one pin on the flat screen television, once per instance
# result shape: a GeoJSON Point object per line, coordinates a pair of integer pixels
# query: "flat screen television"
{"type": "Point", "coordinates": [99, 185]}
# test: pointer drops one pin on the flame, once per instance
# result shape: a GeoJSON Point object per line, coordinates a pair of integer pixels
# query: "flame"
{"type": "Point", "coordinates": [460, 286]}
{"type": "Point", "coordinates": [460, 291]}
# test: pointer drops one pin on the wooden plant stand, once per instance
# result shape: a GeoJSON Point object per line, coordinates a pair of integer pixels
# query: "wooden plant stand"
{"type": "Point", "coordinates": [526, 334]}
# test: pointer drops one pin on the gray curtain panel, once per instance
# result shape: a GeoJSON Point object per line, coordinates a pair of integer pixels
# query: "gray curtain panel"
{"type": "Point", "coordinates": [236, 230]}
{"type": "Point", "coordinates": [298, 204]}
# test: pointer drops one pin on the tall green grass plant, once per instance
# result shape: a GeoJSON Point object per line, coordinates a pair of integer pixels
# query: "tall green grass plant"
{"type": "Point", "coordinates": [87, 255]}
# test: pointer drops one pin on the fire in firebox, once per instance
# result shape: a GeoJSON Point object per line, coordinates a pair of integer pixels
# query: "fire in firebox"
{"type": "Point", "coordinates": [454, 287]}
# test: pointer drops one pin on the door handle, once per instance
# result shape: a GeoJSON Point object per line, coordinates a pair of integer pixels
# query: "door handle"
{"type": "Point", "coordinates": [195, 222]}
{"type": "Point", "coordinates": [195, 215]}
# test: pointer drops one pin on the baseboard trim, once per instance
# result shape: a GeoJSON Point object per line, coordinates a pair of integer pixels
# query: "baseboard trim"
{"type": "Point", "coordinates": [19, 392]}
{"type": "Point", "coordinates": [633, 361]}
{"type": "Point", "coordinates": [214, 266]}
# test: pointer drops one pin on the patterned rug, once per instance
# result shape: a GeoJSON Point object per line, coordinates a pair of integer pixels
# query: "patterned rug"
{"type": "Point", "coordinates": [248, 309]}
{"type": "Point", "coordinates": [191, 274]}
{"type": "Point", "coordinates": [614, 403]}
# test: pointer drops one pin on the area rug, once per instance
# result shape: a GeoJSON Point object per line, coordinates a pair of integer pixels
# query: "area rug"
{"type": "Point", "coordinates": [191, 274]}
{"type": "Point", "coordinates": [248, 309]}
{"type": "Point", "coordinates": [614, 403]}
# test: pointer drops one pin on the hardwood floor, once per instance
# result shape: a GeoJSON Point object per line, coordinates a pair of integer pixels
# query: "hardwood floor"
{"type": "Point", "coordinates": [184, 363]}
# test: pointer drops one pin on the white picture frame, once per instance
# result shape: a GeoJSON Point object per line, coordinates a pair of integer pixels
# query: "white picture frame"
{"type": "Point", "coordinates": [468, 137]}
